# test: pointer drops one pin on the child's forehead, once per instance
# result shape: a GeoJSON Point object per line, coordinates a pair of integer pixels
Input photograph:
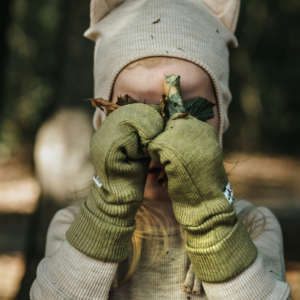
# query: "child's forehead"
{"type": "Point", "coordinates": [142, 78]}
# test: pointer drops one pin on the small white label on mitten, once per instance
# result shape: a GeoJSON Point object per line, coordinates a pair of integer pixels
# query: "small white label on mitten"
{"type": "Point", "coordinates": [228, 192]}
{"type": "Point", "coordinates": [97, 181]}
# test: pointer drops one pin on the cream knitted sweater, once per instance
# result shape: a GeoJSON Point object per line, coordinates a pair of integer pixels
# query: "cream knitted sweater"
{"type": "Point", "coordinates": [65, 273]}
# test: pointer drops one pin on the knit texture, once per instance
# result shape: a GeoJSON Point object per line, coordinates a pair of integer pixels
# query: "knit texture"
{"type": "Point", "coordinates": [189, 150]}
{"type": "Point", "coordinates": [69, 274]}
{"type": "Point", "coordinates": [143, 28]}
{"type": "Point", "coordinates": [104, 227]}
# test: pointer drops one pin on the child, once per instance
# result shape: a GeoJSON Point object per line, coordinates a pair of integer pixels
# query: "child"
{"type": "Point", "coordinates": [206, 248]}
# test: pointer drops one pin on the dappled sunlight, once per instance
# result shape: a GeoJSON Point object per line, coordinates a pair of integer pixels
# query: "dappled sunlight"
{"type": "Point", "coordinates": [19, 190]}
{"type": "Point", "coordinates": [293, 278]}
{"type": "Point", "coordinates": [19, 196]}
{"type": "Point", "coordinates": [264, 167]}
{"type": "Point", "coordinates": [12, 269]}
{"type": "Point", "coordinates": [265, 180]}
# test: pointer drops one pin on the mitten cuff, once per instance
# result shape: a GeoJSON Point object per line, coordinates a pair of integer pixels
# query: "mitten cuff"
{"type": "Point", "coordinates": [225, 259]}
{"type": "Point", "coordinates": [98, 239]}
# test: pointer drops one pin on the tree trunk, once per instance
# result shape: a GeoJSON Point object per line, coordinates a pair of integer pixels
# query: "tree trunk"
{"type": "Point", "coordinates": [4, 21]}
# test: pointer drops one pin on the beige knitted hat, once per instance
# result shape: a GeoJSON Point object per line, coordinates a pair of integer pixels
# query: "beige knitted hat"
{"type": "Point", "coordinates": [200, 31]}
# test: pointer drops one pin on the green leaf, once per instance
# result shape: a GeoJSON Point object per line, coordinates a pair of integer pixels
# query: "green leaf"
{"type": "Point", "coordinates": [200, 108]}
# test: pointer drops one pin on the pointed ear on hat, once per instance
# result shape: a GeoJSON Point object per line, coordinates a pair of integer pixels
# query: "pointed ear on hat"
{"type": "Point", "coordinates": [227, 11]}
{"type": "Point", "coordinates": [98, 10]}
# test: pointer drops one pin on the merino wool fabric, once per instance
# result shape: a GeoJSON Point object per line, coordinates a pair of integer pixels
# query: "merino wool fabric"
{"type": "Point", "coordinates": [145, 28]}
{"type": "Point", "coordinates": [66, 273]}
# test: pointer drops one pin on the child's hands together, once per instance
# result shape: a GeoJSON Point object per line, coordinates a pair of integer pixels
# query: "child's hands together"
{"type": "Point", "coordinates": [216, 241]}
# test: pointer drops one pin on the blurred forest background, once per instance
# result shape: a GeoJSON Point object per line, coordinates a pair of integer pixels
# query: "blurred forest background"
{"type": "Point", "coordinates": [46, 77]}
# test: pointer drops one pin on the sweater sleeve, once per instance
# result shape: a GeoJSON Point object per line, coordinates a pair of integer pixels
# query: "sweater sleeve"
{"type": "Point", "coordinates": [66, 273]}
{"type": "Point", "coordinates": [265, 278]}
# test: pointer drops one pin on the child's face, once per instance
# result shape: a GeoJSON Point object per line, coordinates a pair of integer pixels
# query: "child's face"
{"type": "Point", "coordinates": [146, 85]}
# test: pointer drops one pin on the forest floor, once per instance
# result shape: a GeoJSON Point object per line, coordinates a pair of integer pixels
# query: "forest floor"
{"type": "Point", "coordinates": [273, 182]}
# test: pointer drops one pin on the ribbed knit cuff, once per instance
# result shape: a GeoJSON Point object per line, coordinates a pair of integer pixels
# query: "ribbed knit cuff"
{"type": "Point", "coordinates": [225, 259]}
{"type": "Point", "coordinates": [98, 239]}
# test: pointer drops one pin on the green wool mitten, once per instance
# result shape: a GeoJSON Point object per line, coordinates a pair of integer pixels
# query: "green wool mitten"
{"type": "Point", "coordinates": [217, 243]}
{"type": "Point", "coordinates": [106, 222]}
